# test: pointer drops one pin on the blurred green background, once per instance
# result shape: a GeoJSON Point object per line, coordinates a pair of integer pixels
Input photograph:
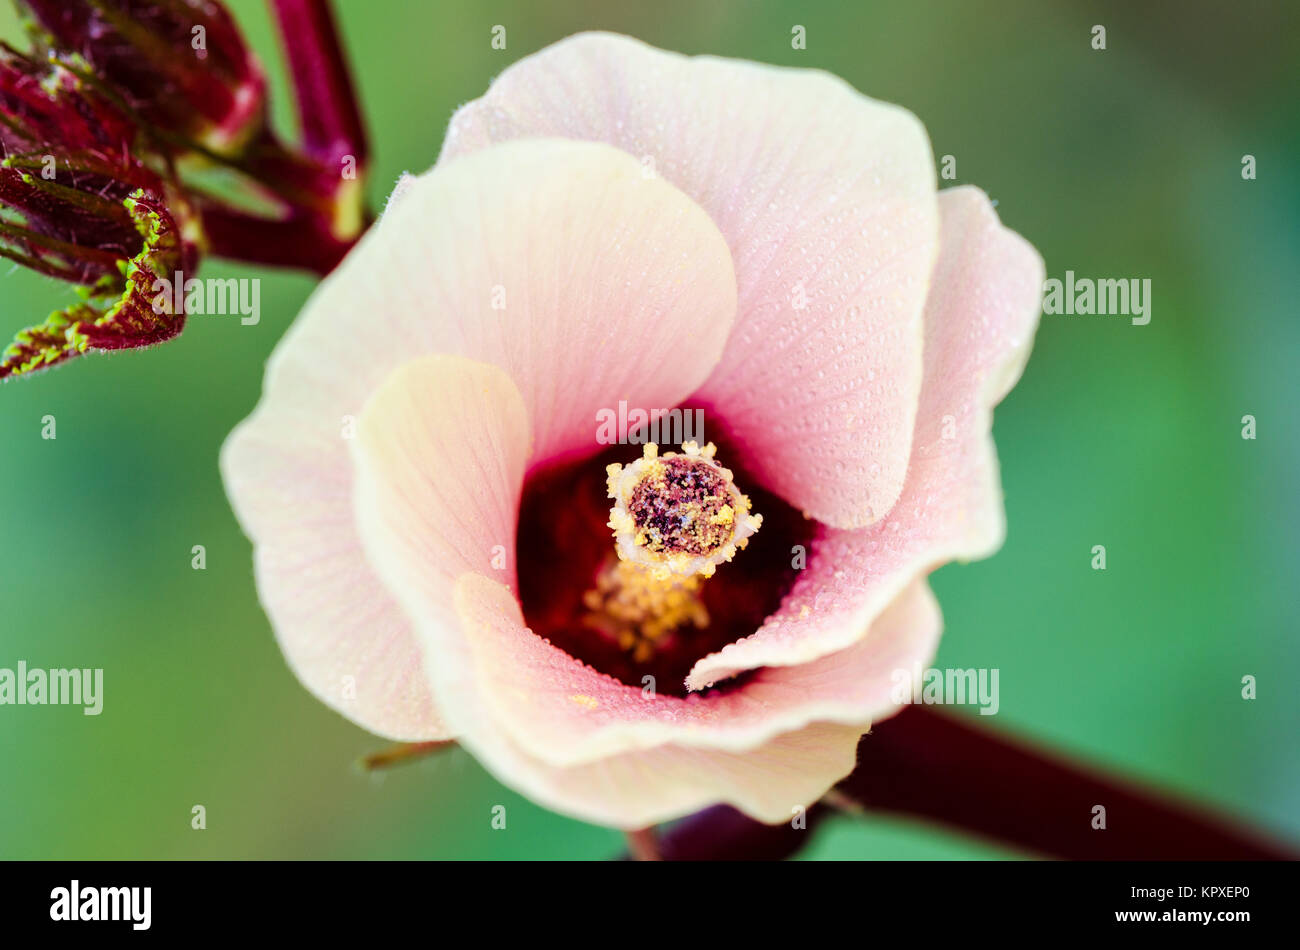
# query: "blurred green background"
{"type": "Point", "coordinates": [1121, 163]}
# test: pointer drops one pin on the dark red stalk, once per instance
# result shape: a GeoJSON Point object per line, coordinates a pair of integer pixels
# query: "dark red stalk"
{"type": "Point", "coordinates": [940, 767]}
{"type": "Point", "coordinates": [326, 103]}
{"type": "Point", "coordinates": [296, 241]}
{"type": "Point", "coordinates": [721, 833]}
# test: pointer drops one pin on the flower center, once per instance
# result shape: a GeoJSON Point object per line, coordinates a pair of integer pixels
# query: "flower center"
{"type": "Point", "coordinates": [675, 519]}
{"type": "Point", "coordinates": [678, 592]}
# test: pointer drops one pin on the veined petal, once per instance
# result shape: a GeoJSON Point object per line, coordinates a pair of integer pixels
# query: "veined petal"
{"type": "Point", "coordinates": [567, 714]}
{"type": "Point", "coordinates": [827, 200]}
{"type": "Point", "coordinates": [632, 789]}
{"type": "Point", "coordinates": [984, 303]}
{"type": "Point", "coordinates": [448, 435]}
{"type": "Point", "coordinates": [440, 456]}
{"type": "Point", "coordinates": [558, 262]}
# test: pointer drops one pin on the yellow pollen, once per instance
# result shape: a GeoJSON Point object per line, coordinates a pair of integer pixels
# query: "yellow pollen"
{"type": "Point", "coordinates": [637, 609]}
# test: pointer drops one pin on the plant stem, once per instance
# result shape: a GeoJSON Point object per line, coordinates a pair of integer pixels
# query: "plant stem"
{"type": "Point", "coordinates": [328, 112]}
{"type": "Point", "coordinates": [296, 241]}
{"type": "Point", "coordinates": [939, 767]}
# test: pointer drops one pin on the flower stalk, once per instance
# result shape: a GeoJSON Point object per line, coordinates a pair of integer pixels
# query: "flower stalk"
{"type": "Point", "coordinates": [938, 767]}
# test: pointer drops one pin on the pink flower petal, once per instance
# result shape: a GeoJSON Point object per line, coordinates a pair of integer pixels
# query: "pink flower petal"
{"type": "Point", "coordinates": [615, 287]}
{"type": "Point", "coordinates": [673, 767]}
{"type": "Point", "coordinates": [826, 198]}
{"type": "Point", "coordinates": [558, 261]}
{"type": "Point", "coordinates": [343, 636]}
{"type": "Point", "coordinates": [770, 783]}
{"type": "Point", "coordinates": [567, 714]}
{"type": "Point", "coordinates": [984, 304]}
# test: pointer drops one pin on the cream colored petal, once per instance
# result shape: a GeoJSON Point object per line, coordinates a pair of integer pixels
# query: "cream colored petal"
{"type": "Point", "coordinates": [556, 261]}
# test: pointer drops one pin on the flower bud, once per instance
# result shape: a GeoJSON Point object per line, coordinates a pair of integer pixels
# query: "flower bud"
{"type": "Point", "coordinates": [77, 204]}
{"type": "Point", "coordinates": [179, 66]}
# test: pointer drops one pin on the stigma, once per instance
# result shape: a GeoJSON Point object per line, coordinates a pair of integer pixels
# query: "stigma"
{"type": "Point", "coordinates": [680, 514]}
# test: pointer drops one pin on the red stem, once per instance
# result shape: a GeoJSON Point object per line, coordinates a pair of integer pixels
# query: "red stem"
{"type": "Point", "coordinates": [938, 766]}
{"type": "Point", "coordinates": [300, 241]}
{"type": "Point", "coordinates": [327, 105]}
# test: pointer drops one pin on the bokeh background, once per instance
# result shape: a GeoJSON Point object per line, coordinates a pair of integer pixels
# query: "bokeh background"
{"type": "Point", "coordinates": [1122, 163]}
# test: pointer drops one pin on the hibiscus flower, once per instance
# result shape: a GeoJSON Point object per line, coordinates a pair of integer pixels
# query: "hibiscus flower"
{"type": "Point", "coordinates": [436, 544]}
